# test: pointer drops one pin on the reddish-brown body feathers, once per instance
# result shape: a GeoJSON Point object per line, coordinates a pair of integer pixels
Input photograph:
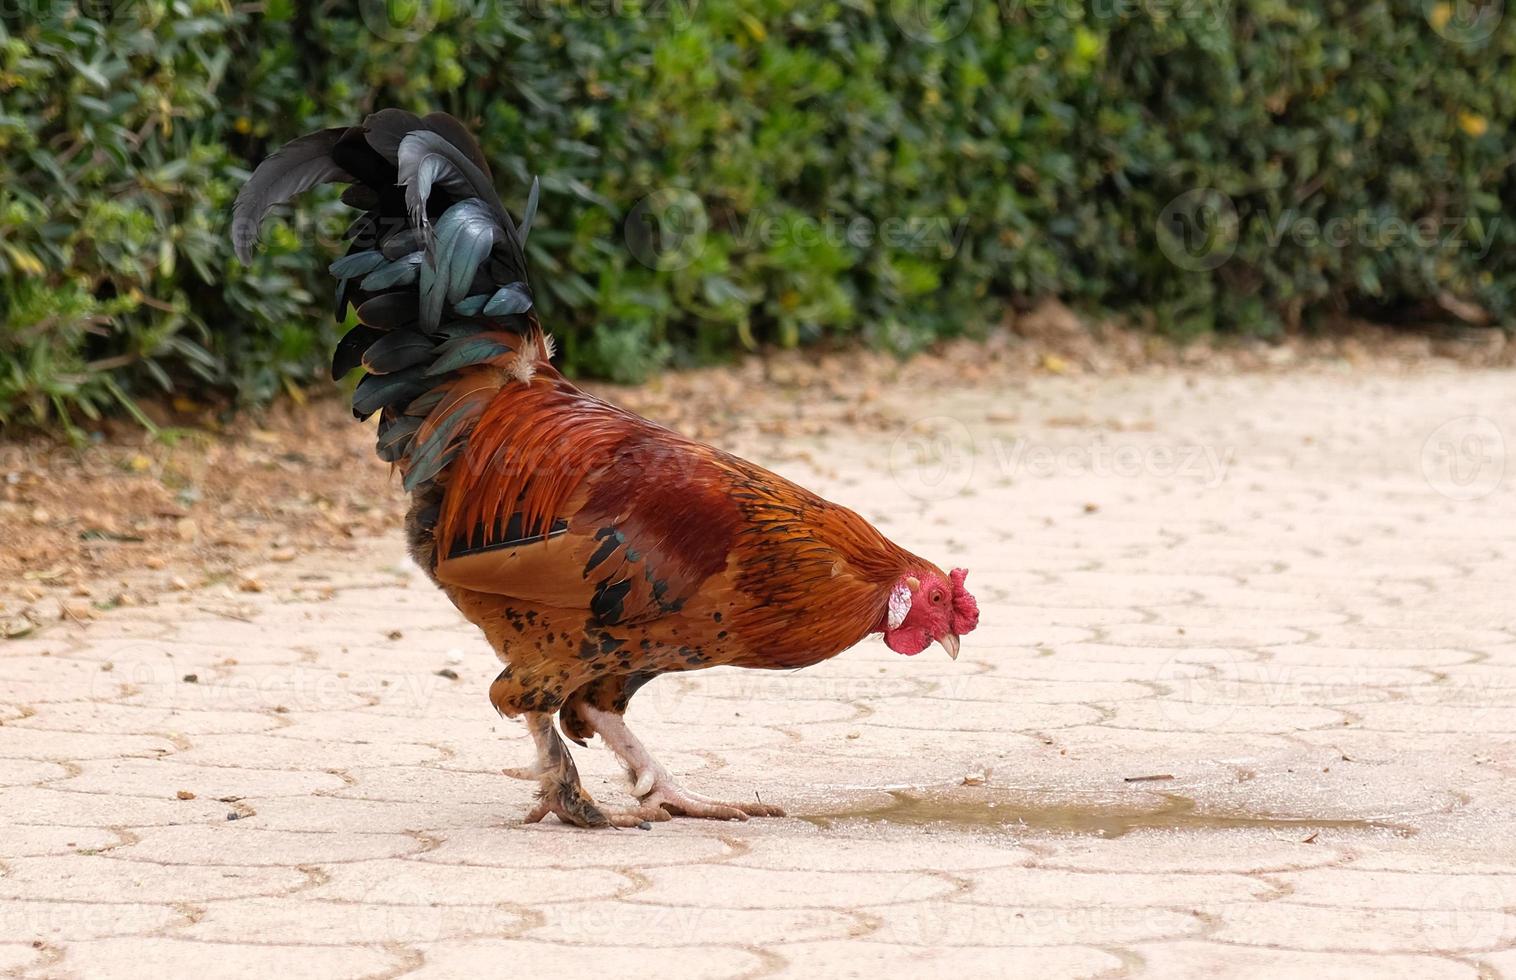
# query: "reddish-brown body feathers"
{"type": "Point", "coordinates": [594, 548]}
{"type": "Point", "coordinates": [706, 557]}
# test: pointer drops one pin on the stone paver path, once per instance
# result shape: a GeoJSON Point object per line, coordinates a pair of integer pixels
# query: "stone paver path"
{"type": "Point", "coordinates": [1243, 701]}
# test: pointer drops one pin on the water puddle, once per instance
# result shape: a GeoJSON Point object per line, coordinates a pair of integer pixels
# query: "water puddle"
{"type": "Point", "coordinates": [1107, 818]}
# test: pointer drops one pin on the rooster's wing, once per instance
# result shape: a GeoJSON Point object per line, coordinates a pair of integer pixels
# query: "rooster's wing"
{"type": "Point", "coordinates": [648, 526]}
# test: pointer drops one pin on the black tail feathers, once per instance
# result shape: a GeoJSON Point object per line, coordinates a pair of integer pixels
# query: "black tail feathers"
{"type": "Point", "coordinates": [436, 272]}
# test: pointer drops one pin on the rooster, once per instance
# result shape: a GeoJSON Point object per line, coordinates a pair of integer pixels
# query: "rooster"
{"type": "Point", "coordinates": [595, 549]}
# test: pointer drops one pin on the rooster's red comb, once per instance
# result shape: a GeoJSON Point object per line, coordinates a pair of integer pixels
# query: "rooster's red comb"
{"type": "Point", "coordinates": [965, 609]}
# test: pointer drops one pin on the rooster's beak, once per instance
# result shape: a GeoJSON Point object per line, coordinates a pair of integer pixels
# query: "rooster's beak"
{"type": "Point", "coordinates": [949, 643]}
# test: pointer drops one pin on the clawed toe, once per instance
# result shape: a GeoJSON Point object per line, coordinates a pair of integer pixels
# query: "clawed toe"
{"type": "Point", "coordinates": [706, 811]}
{"type": "Point", "coordinates": [683, 803]}
{"type": "Point", "coordinates": [570, 804]}
{"type": "Point", "coordinates": [639, 816]}
{"type": "Point", "coordinates": [658, 795]}
{"type": "Point", "coordinates": [626, 819]}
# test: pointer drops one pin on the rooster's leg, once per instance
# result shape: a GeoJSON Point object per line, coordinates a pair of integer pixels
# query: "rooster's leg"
{"type": "Point", "coordinates": [560, 793]}
{"type": "Point", "coordinates": [652, 784]}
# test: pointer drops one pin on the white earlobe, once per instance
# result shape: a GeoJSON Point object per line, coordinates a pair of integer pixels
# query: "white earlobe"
{"type": "Point", "coordinates": [900, 606]}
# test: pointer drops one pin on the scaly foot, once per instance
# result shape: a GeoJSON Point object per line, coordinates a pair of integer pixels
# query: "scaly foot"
{"type": "Point", "coordinates": [559, 791]}
{"type": "Point", "coordinates": [670, 797]}
{"type": "Point", "coordinates": [572, 805]}
{"type": "Point", "coordinates": [652, 785]}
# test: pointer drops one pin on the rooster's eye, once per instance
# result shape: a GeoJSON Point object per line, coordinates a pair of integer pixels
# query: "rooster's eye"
{"type": "Point", "coordinates": [936, 596]}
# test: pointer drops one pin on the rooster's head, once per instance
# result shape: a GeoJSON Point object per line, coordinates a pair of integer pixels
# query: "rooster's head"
{"type": "Point", "coordinates": [925, 607]}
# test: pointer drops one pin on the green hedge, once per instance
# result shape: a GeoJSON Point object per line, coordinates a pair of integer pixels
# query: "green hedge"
{"type": "Point", "coordinates": [724, 173]}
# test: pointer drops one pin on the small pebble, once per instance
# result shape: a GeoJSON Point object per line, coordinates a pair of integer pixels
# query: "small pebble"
{"type": "Point", "coordinates": [78, 610]}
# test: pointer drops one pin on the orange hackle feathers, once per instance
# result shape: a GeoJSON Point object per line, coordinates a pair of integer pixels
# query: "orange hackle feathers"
{"type": "Point", "coordinates": [528, 453]}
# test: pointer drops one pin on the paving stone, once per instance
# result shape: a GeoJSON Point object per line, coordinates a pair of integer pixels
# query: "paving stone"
{"type": "Point", "coordinates": [32, 772]}
{"type": "Point", "coordinates": [34, 743]}
{"type": "Point", "coordinates": [426, 883]}
{"type": "Point", "coordinates": [484, 958]}
{"type": "Point", "coordinates": [1253, 720]}
{"type": "Point", "coordinates": [1454, 928]}
{"type": "Point", "coordinates": [16, 957]}
{"type": "Point", "coordinates": [341, 923]}
{"type": "Point", "coordinates": [242, 844]}
{"type": "Point", "coordinates": [1219, 851]}
{"type": "Point", "coordinates": [59, 923]}
{"type": "Point", "coordinates": [108, 719]}
{"type": "Point", "coordinates": [965, 922]}
{"type": "Point", "coordinates": [50, 807]}
{"type": "Point", "coordinates": [548, 846]}
{"type": "Point", "coordinates": [152, 959]}
{"type": "Point", "coordinates": [275, 749]}
{"type": "Point", "coordinates": [639, 924]}
{"type": "Point", "coordinates": [1071, 889]}
{"type": "Point", "coordinates": [1436, 894]}
{"type": "Point", "coordinates": [879, 959]}
{"type": "Point", "coordinates": [1194, 959]}
{"type": "Point", "coordinates": [164, 778]}
{"type": "Point", "coordinates": [33, 840]}
{"type": "Point", "coordinates": [735, 887]}
{"type": "Point", "coordinates": [827, 852]}
{"type": "Point", "coordinates": [100, 878]}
